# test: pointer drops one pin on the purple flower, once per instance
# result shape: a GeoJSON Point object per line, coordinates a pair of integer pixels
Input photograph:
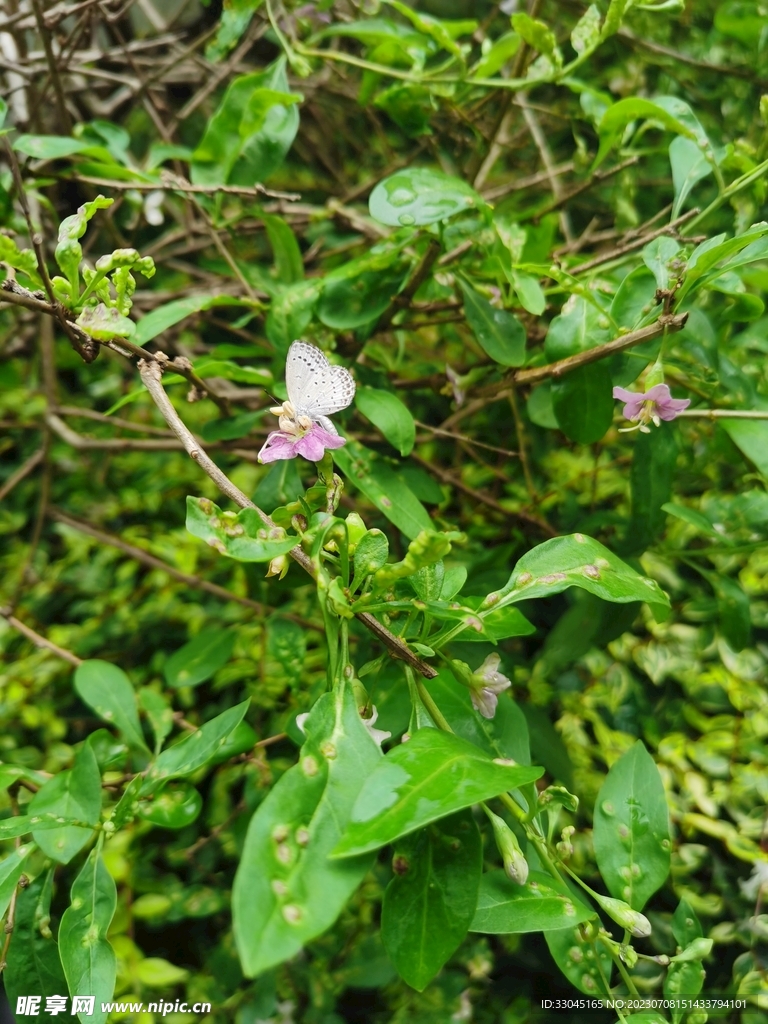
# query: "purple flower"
{"type": "Point", "coordinates": [654, 405]}
{"type": "Point", "coordinates": [487, 684]}
{"type": "Point", "coordinates": [310, 443]}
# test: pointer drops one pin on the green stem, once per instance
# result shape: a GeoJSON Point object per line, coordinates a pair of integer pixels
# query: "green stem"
{"type": "Point", "coordinates": [731, 190]}
{"type": "Point", "coordinates": [426, 699]}
{"type": "Point", "coordinates": [631, 987]}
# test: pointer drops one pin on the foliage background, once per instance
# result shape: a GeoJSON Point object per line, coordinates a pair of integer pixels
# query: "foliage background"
{"type": "Point", "coordinates": [136, 87]}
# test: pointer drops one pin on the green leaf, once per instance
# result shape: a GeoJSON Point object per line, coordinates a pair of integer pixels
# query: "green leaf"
{"type": "Point", "coordinates": [235, 536]}
{"type": "Point", "coordinates": [586, 33]}
{"type": "Point", "coordinates": [286, 646]}
{"type": "Point", "coordinates": [371, 553]}
{"type": "Point", "coordinates": [631, 828]}
{"type": "Point", "coordinates": [689, 167]}
{"type": "Point", "coordinates": [538, 35]}
{"type": "Point", "coordinates": [685, 924]}
{"type": "Point", "coordinates": [23, 824]}
{"type": "Point", "coordinates": [503, 49]}
{"type": "Point", "coordinates": [653, 470]}
{"type": "Point", "coordinates": [390, 415]}
{"type": "Point", "coordinates": [547, 745]}
{"type": "Point", "coordinates": [86, 956]}
{"type": "Point", "coordinates": [504, 907]}
{"type": "Point", "coordinates": [10, 773]}
{"type": "Point", "coordinates": [74, 794]}
{"type": "Point", "coordinates": [50, 147]}
{"type": "Point", "coordinates": [349, 301]}
{"type": "Point", "coordinates": [10, 872]}
{"type": "Point", "coordinates": [529, 292]}
{"type": "Point", "coordinates": [280, 485]}
{"type": "Point", "coordinates": [105, 322]}
{"type": "Point", "coordinates": [197, 660]}
{"type": "Point", "coordinates": [656, 256]}
{"type": "Point", "coordinates": [251, 132]}
{"type": "Point", "coordinates": [580, 326]}
{"type": "Point", "coordinates": [578, 959]}
{"type": "Point", "coordinates": [170, 313]}
{"type": "Point", "coordinates": [228, 370]}
{"type": "Point", "coordinates": [432, 775]}
{"type": "Point", "coordinates": [34, 967]}
{"type": "Point", "coordinates": [583, 402]}
{"type": "Point", "coordinates": [175, 806]}
{"type": "Point", "coordinates": [290, 313]}
{"type": "Point", "coordinates": [751, 437]}
{"type": "Point", "coordinates": [159, 713]}
{"type": "Point", "coordinates": [671, 112]}
{"type": "Point", "coordinates": [418, 195]}
{"type": "Point", "coordinates": [285, 249]}
{"type": "Point", "coordinates": [703, 261]}
{"type": "Point", "coordinates": [380, 484]}
{"type": "Point", "coordinates": [229, 428]}
{"type": "Point", "coordinates": [540, 409]}
{"type": "Point", "coordinates": [233, 24]}
{"type": "Point", "coordinates": [108, 690]}
{"type": "Point", "coordinates": [500, 333]}
{"type": "Point", "coordinates": [428, 905]}
{"type": "Point", "coordinates": [196, 750]}
{"type": "Point", "coordinates": [633, 302]}
{"type": "Point", "coordinates": [693, 518]}
{"type": "Point", "coordinates": [286, 890]}
{"type": "Point", "coordinates": [733, 607]}
{"type": "Point", "coordinates": [579, 561]}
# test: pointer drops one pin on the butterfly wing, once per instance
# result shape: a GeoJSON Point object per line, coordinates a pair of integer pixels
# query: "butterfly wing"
{"type": "Point", "coordinates": [315, 388]}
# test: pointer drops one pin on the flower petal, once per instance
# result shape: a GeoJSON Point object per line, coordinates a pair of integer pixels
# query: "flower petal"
{"type": "Point", "coordinates": [278, 445]}
{"type": "Point", "coordinates": [659, 394]}
{"type": "Point", "coordinates": [669, 409]}
{"type": "Point", "coordinates": [314, 443]}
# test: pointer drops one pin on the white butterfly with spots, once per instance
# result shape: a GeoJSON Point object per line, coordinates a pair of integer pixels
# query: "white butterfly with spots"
{"type": "Point", "coordinates": [316, 389]}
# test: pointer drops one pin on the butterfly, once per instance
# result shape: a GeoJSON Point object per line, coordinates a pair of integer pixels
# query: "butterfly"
{"type": "Point", "coordinates": [316, 389]}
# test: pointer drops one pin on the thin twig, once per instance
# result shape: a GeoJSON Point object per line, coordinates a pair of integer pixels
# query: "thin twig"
{"type": "Point", "coordinates": [151, 376]}
{"type": "Point", "coordinates": [152, 562]}
{"type": "Point", "coordinates": [38, 640]}
{"type": "Point", "coordinates": [667, 323]}
{"type": "Point", "coordinates": [23, 471]}
{"type": "Point", "coordinates": [638, 243]}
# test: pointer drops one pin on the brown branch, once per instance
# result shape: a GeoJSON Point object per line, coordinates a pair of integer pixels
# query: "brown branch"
{"type": "Point", "coordinates": [415, 281]}
{"type": "Point", "coordinates": [23, 471]}
{"type": "Point", "coordinates": [584, 186]}
{"type": "Point", "coordinates": [65, 121]}
{"type": "Point", "coordinates": [638, 243]}
{"type": "Point", "coordinates": [151, 376]}
{"type": "Point", "coordinates": [152, 562]}
{"type": "Point", "coordinates": [667, 323]}
{"type": "Point", "coordinates": [173, 183]}
{"type": "Point", "coordinates": [38, 640]}
{"type": "Point", "coordinates": [447, 477]}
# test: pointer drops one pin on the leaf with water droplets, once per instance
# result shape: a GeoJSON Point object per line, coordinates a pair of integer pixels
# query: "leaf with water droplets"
{"type": "Point", "coordinates": [286, 890]}
{"type": "Point", "coordinates": [631, 828]}
{"type": "Point", "coordinates": [419, 195]}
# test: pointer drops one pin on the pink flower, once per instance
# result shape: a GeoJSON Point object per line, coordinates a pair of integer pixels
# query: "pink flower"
{"type": "Point", "coordinates": [488, 683]}
{"type": "Point", "coordinates": [655, 405]}
{"type": "Point", "coordinates": [310, 444]}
